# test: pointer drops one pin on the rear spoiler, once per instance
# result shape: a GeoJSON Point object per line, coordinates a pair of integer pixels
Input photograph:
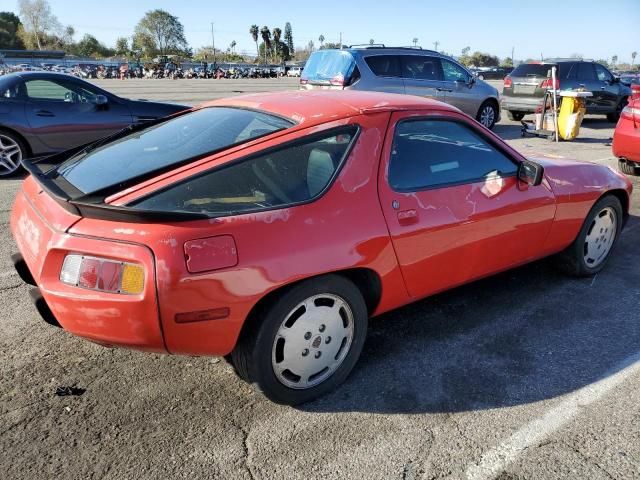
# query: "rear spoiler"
{"type": "Point", "coordinates": [77, 203]}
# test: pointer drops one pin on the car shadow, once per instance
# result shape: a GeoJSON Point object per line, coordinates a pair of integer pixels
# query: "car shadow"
{"type": "Point", "coordinates": [523, 336]}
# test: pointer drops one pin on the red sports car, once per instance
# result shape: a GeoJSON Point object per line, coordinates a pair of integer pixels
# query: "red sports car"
{"type": "Point", "coordinates": [269, 228]}
{"type": "Point", "coordinates": [626, 139]}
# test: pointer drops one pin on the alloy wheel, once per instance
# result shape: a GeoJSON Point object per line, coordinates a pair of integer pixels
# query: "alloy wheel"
{"type": "Point", "coordinates": [487, 116]}
{"type": "Point", "coordinates": [10, 155]}
{"type": "Point", "coordinates": [312, 341]}
{"type": "Point", "coordinates": [600, 237]}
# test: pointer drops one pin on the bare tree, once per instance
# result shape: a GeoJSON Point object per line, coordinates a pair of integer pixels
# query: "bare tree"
{"type": "Point", "coordinates": [38, 20]}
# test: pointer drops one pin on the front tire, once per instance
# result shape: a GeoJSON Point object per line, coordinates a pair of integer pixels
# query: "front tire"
{"type": "Point", "coordinates": [306, 342]}
{"type": "Point", "coordinates": [12, 151]}
{"type": "Point", "coordinates": [488, 114]}
{"type": "Point", "coordinates": [615, 116]}
{"type": "Point", "coordinates": [589, 252]}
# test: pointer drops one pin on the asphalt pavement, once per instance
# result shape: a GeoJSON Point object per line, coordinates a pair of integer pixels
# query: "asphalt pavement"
{"type": "Point", "coordinates": [525, 375]}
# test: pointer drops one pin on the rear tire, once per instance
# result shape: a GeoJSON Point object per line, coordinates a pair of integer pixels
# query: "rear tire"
{"type": "Point", "coordinates": [628, 168]}
{"type": "Point", "coordinates": [12, 151]}
{"type": "Point", "coordinates": [589, 252]}
{"type": "Point", "coordinates": [305, 342]}
{"type": "Point", "coordinates": [515, 116]}
{"type": "Point", "coordinates": [615, 116]}
{"type": "Point", "coordinates": [488, 114]}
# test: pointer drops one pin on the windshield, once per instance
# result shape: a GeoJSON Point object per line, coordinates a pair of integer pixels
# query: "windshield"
{"type": "Point", "coordinates": [170, 143]}
{"type": "Point", "coordinates": [531, 70]}
{"type": "Point", "coordinates": [329, 64]}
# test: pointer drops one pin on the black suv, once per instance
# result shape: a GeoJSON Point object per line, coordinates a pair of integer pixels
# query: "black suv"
{"type": "Point", "coordinates": [525, 86]}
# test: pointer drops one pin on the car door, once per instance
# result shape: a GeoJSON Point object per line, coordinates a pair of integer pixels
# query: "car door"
{"type": "Point", "coordinates": [453, 205]}
{"type": "Point", "coordinates": [458, 89]}
{"type": "Point", "coordinates": [63, 113]}
{"type": "Point", "coordinates": [609, 90]}
{"type": "Point", "coordinates": [422, 76]}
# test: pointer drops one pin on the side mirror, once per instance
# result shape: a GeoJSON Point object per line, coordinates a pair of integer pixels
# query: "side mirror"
{"type": "Point", "coordinates": [100, 100]}
{"type": "Point", "coordinates": [530, 173]}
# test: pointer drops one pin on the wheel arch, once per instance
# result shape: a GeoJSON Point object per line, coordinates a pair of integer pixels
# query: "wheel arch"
{"type": "Point", "coordinates": [367, 280]}
{"type": "Point", "coordinates": [621, 195]}
{"type": "Point", "coordinates": [20, 136]}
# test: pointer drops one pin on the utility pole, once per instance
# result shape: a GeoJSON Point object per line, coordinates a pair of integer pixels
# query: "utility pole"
{"type": "Point", "coordinates": [512, 62]}
{"type": "Point", "coordinates": [213, 45]}
{"type": "Point", "coordinates": [435, 45]}
{"type": "Point", "coordinates": [340, 39]}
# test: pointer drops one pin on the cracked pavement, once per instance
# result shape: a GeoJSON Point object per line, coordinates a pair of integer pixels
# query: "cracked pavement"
{"type": "Point", "coordinates": [440, 382]}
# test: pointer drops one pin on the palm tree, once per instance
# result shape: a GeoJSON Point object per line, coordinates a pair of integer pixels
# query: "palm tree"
{"type": "Point", "coordinates": [415, 41]}
{"type": "Point", "coordinates": [233, 46]}
{"type": "Point", "coordinates": [266, 38]}
{"type": "Point", "coordinates": [371, 41]}
{"type": "Point", "coordinates": [253, 30]}
{"type": "Point", "coordinates": [614, 60]}
{"type": "Point", "coordinates": [277, 33]}
{"type": "Point", "coordinates": [321, 40]}
{"type": "Point", "coordinates": [633, 57]}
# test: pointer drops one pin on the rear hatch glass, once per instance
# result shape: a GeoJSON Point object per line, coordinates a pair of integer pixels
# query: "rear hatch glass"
{"type": "Point", "coordinates": [532, 70]}
{"type": "Point", "coordinates": [527, 77]}
{"type": "Point", "coordinates": [325, 67]}
{"type": "Point", "coordinates": [161, 147]}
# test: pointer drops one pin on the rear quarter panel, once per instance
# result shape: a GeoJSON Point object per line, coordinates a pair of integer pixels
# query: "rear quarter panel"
{"type": "Point", "coordinates": [344, 228]}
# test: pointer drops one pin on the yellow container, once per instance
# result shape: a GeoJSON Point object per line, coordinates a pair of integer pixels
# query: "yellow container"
{"type": "Point", "coordinates": [572, 112]}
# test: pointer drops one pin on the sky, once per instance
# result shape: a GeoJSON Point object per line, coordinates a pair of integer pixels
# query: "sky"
{"type": "Point", "coordinates": [609, 27]}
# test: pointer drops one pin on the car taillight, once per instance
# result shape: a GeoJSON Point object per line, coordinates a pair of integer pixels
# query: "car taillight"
{"type": "Point", "coordinates": [103, 275]}
{"type": "Point", "coordinates": [635, 92]}
{"type": "Point", "coordinates": [303, 81]}
{"type": "Point", "coordinates": [508, 83]}
{"type": "Point", "coordinates": [548, 83]}
{"type": "Point", "coordinates": [629, 112]}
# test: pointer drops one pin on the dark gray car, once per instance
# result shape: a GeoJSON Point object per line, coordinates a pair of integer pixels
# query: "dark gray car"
{"type": "Point", "coordinates": [524, 87]}
{"type": "Point", "coordinates": [45, 112]}
{"type": "Point", "coordinates": [413, 71]}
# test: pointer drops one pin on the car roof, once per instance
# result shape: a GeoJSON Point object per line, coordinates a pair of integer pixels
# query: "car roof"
{"type": "Point", "coordinates": [312, 107]}
{"type": "Point", "coordinates": [44, 74]}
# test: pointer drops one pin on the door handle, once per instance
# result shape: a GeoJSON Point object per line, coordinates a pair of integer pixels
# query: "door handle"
{"type": "Point", "coordinates": [45, 113]}
{"type": "Point", "coordinates": [407, 217]}
{"type": "Point", "coordinates": [440, 89]}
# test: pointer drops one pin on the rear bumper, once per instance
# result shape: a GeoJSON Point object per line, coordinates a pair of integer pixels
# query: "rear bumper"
{"type": "Point", "coordinates": [520, 104]}
{"type": "Point", "coordinates": [107, 318]}
{"type": "Point", "coordinates": [626, 141]}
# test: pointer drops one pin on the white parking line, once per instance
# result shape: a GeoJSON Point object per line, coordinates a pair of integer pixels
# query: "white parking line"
{"type": "Point", "coordinates": [498, 458]}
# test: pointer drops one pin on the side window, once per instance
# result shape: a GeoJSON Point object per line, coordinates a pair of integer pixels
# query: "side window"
{"type": "Point", "coordinates": [47, 90]}
{"type": "Point", "coordinates": [290, 175]}
{"type": "Point", "coordinates": [432, 153]}
{"type": "Point", "coordinates": [421, 67]}
{"type": "Point", "coordinates": [453, 72]}
{"type": "Point", "coordinates": [585, 71]}
{"type": "Point", "coordinates": [384, 65]}
{"type": "Point", "coordinates": [602, 73]}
